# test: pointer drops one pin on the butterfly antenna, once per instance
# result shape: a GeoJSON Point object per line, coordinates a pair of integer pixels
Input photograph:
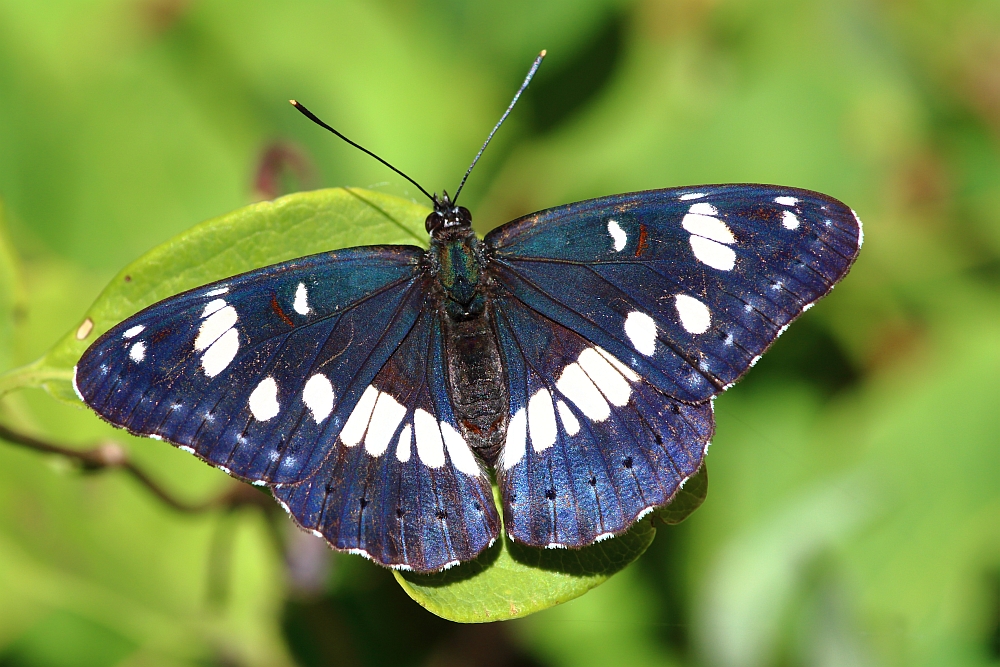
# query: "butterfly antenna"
{"type": "Point", "coordinates": [314, 118]}
{"type": "Point", "coordinates": [527, 80]}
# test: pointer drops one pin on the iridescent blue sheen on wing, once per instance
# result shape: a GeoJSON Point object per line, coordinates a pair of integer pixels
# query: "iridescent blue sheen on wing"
{"type": "Point", "coordinates": [206, 352]}
{"type": "Point", "coordinates": [408, 493]}
{"type": "Point", "coordinates": [628, 314]}
{"type": "Point", "coordinates": [745, 261]}
{"type": "Point", "coordinates": [591, 447]}
{"type": "Point", "coordinates": [611, 324]}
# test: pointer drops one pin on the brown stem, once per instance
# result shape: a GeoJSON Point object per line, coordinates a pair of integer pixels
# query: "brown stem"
{"type": "Point", "coordinates": [110, 455]}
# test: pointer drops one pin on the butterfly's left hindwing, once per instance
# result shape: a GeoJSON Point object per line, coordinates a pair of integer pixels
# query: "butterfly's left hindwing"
{"type": "Point", "coordinates": [257, 374]}
{"type": "Point", "coordinates": [402, 485]}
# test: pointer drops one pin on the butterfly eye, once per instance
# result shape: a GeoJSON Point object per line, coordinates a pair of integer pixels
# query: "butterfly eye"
{"type": "Point", "coordinates": [457, 216]}
{"type": "Point", "coordinates": [433, 221]}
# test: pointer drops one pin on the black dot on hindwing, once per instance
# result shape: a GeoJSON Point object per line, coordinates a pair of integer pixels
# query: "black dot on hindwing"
{"type": "Point", "coordinates": [627, 462]}
{"type": "Point", "coordinates": [441, 514]}
{"type": "Point", "coordinates": [550, 494]}
{"type": "Point", "coordinates": [592, 481]}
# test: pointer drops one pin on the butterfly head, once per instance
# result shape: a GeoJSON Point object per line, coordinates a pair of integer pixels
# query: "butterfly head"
{"type": "Point", "coordinates": [447, 215]}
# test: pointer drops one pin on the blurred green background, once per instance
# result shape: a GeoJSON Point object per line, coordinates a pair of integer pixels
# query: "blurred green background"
{"type": "Point", "coordinates": [854, 510]}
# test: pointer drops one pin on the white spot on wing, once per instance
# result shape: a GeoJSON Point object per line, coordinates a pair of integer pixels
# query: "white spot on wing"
{"type": "Point", "coordinates": [218, 357]}
{"type": "Point", "coordinates": [515, 444]}
{"type": "Point", "coordinates": [569, 421]}
{"type": "Point", "coordinates": [618, 235]}
{"type": "Point", "coordinates": [789, 221]}
{"type": "Point", "coordinates": [133, 332]}
{"type": "Point", "coordinates": [382, 426]}
{"type": "Point", "coordinates": [138, 352]}
{"type": "Point", "coordinates": [713, 254]}
{"type": "Point", "coordinates": [612, 384]}
{"type": "Point", "coordinates": [264, 400]}
{"type": "Point", "coordinates": [786, 201]}
{"type": "Point", "coordinates": [703, 208]}
{"type": "Point", "coordinates": [692, 195]}
{"type": "Point", "coordinates": [629, 374]}
{"type": "Point", "coordinates": [641, 330]}
{"type": "Point", "coordinates": [218, 291]}
{"type": "Point", "coordinates": [861, 229]}
{"type": "Point", "coordinates": [185, 448]}
{"type": "Point", "coordinates": [218, 323]}
{"type": "Point", "coordinates": [405, 444]}
{"type": "Point", "coordinates": [541, 421]}
{"type": "Point", "coordinates": [213, 306]}
{"type": "Point", "coordinates": [301, 304]}
{"type": "Point", "coordinates": [694, 315]}
{"type": "Point", "coordinates": [709, 227]}
{"type": "Point", "coordinates": [458, 451]}
{"type": "Point", "coordinates": [76, 387]}
{"type": "Point", "coordinates": [574, 384]}
{"type": "Point", "coordinates": [318, 397]}
{"type": "Point", "coordinates": [430, 447]}
{"type": "Point", "coordinates": [357, 422]}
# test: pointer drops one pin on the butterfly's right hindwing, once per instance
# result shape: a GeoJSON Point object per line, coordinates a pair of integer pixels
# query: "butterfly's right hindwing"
{"type": "Point", "coordinates": [257, 374]}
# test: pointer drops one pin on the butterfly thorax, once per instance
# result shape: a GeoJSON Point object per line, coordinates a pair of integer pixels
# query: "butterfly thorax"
{"type": "Point", "coordinates": [474, 368]}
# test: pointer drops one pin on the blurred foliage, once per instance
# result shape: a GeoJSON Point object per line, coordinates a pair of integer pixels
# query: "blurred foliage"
{"type": "Point", "coordinates": [854, 516]}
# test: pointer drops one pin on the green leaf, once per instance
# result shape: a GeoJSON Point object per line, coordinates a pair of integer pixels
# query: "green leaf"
{"type": "Point", "coordinates": [248, 238]}
{"type": "Point", "coordinates": [510, 580]}
{"type": "Point", "coordinates": [687, 500]}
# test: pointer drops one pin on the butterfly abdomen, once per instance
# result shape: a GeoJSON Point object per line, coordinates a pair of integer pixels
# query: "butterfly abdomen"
{"type": "Point", "coordinates": [474, 369]}
{"type": "Point", "coordinates": [477, 384]}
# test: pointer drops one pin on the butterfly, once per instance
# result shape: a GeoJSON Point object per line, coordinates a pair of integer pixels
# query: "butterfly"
{"type": "Point", "coordinates": [571, 357]}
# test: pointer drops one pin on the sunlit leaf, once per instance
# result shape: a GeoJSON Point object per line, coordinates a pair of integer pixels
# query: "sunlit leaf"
{"type": "Point", "coordinates": [511, 580]}
{"type": "Point", "coordinates": [248, 238]}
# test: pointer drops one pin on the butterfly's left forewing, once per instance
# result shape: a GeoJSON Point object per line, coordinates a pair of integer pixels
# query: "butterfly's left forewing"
{"type": "Point", "coordinates": [257, 374]}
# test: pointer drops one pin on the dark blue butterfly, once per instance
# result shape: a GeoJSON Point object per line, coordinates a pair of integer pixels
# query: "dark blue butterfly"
{"type": "Point", "coordinates": [573, 354]}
